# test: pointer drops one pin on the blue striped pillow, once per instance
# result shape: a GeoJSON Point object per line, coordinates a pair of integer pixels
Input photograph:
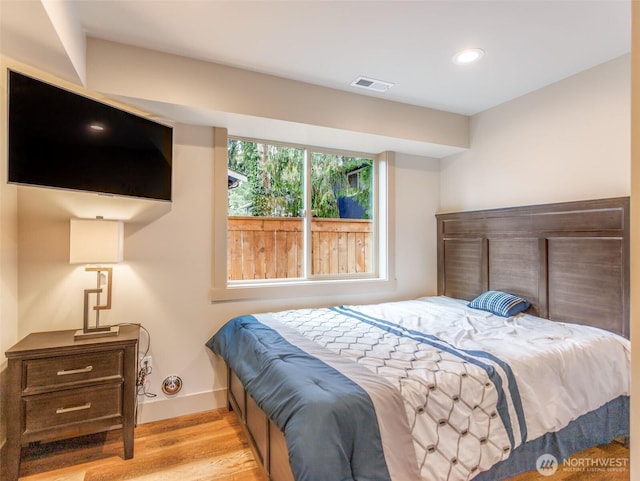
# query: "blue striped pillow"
{"type": "Point", "coordinates": [500, 303]}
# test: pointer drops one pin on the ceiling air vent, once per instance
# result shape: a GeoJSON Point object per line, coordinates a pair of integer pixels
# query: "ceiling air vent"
{"type": "Point", "coordinates": [372, 84]}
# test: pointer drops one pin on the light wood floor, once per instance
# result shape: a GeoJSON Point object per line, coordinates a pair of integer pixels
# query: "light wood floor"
{"type": "Point", "coordinates": [206, 446]}
{"type": "Point", "coordinates": [202, 447]}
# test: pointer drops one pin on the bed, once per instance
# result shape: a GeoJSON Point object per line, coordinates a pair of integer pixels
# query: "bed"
{"type": "Point", "coordinates": [438, 388]}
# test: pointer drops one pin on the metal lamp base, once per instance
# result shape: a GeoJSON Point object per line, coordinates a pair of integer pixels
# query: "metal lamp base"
{"type": "Point", "coordinates": [97, 331]}
{"type": "Point", "coordinates": [100, 332]}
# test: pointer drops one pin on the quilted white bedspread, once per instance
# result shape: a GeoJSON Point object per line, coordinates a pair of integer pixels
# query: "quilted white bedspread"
{"type": "Point", "coordinates": [475, 386]}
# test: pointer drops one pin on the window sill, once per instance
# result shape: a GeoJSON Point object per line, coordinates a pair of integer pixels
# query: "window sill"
{"type": "Point", "coordinates": [301, 288]}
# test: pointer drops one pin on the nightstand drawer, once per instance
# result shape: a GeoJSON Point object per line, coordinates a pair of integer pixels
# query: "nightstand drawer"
{"type": "Point", "coordinates": [43, 374]}
{"type": "Point", "coordinates": [72, 406]}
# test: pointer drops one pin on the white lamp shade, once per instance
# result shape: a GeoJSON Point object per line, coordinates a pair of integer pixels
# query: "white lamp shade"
{"type": "Point", "coordinates": [95, 241]}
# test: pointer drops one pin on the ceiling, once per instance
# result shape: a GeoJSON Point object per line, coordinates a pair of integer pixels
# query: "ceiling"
{"type": "Point", "coordinates": [527, 44]}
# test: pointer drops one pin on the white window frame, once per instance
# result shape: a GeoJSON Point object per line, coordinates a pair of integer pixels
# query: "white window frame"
{"type": "Point", "coordinates": [383, 279]}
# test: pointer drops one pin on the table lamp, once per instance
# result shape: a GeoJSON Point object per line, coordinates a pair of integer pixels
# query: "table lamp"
{"type": "Point", "coordinates": [96, 242]}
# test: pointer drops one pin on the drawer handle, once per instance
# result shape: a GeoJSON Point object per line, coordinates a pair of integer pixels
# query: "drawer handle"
{"type": "Point", "coordinates": [75, 371]}
{"type": "Point", "coordinates": [74, 408]}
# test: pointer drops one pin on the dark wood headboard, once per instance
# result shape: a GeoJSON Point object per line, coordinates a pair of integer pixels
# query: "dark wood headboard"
{"type": "Point", "coordinates": [570, 260]}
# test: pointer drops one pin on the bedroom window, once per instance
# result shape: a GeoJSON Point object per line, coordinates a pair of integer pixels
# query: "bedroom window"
{"type": "Point", "coordinates": [302, 217]}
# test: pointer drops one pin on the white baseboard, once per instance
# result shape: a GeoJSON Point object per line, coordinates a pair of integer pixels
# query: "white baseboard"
{"type": "Point", "coordinates": [171, 407]}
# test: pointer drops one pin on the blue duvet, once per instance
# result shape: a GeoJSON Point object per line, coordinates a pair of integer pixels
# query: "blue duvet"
{"type": "Point", "coordinates": [328, 420]}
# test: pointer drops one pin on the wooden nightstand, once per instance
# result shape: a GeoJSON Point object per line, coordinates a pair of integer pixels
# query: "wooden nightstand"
{"type": "Point", "coordinates": [60, 388]}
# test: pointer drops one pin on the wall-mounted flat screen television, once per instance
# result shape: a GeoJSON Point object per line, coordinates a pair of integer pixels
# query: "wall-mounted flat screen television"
{"type": "Point", "coordinates": [60, 139]}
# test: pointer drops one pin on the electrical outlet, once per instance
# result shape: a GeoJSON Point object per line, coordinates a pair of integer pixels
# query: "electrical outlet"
{"type": "Point", "coordinates": [147, 364]}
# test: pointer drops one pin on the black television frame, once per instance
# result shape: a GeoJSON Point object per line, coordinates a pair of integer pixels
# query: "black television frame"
{"type": "Point", "coordinates": [60, 139]}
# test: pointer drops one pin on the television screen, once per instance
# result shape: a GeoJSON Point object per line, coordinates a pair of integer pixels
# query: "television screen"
{"type": "Point", "coordinates": [60, 139]}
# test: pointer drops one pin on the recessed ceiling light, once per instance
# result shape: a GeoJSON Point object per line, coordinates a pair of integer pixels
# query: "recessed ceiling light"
{"type": "Point", "coordinates": [96, 127]}
{"type": "Point", "coordinates": [468, 55]}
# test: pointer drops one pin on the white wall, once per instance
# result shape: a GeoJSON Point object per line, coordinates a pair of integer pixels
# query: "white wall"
{"type": "Point", "coordinates": [417, 190]}
{"type": "Point", "coordinates": [165, 279]}
{"type": "Point", "coordinates": [8, 260]}
{"type": "Point", "coordinates": [568, 141]}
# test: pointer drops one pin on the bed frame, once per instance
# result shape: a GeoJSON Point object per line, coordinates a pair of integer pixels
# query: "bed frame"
{"type": "Point", "coordinates": [267, 441]}
{"type": "Point", "coordinates": [570, 260]}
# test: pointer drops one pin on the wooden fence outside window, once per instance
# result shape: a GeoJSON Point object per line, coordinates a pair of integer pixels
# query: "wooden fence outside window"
{"type": "Point", "coordinates": [271, 247]}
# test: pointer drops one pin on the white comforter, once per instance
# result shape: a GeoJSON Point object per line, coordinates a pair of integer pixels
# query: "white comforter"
{"type": "Point", "coordinates": [475, 386]}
